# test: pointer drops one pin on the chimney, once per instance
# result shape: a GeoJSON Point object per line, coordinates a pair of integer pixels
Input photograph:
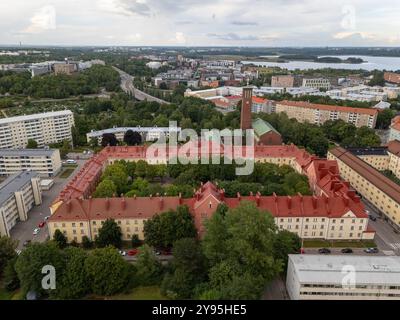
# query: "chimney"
{"type": "Point", "coordinates": [123, 204]}
{"type": "Point", "coordinates": [239, 196]}
{"type": "Point", "coordinates": [258, 199]}
{"type": "Point", "coordinates": [107, 203]}
{"type": "Point", "coordinates": [198, 196]}
{"type": "Point", "coordinates": [222, 194]}
{"type": "Point", "coordinates": [180, 198]}
{"type": "Point", "coordinates": [161, 203]}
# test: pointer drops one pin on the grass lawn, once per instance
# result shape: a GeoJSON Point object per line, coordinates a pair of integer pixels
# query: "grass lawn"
{"type": "Point", "coordinates": [339, 244]}
{"type": "Point", "coordinates": [139, 293]}
{"type": "Point", "coordinates": [66, 173]}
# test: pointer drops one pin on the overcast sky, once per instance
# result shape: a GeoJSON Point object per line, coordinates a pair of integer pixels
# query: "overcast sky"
{"type": "Point", "coordinates": [201, 22]}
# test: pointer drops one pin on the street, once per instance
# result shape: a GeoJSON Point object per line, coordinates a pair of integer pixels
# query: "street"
{"type": "Point", "coordinates": [23, 230]}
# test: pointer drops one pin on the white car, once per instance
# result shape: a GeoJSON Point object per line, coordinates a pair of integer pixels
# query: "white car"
{"type": "Point", "coordinates": [46, 218]}
{"type": "Point", "coordinates": [122, 253]}
{"type": "Point", "coordinates": [36, 231]}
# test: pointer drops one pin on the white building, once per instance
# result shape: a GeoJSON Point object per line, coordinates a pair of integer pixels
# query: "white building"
{"type": "Point", "coordinates": [148, 133]}
{"type": "Point", "coordinates": [44, 128]}
{"type": "Point", "coordinates": [317, 83]}
{"type": "Point", "coordinates": [46, 162]}
{"type": "Point", "coordinates": [18, 194]}
{"type": "Point", "coordinates": [318, 277]}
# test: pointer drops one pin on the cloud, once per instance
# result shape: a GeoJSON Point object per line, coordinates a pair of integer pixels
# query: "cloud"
{"type": "Point", "coordinates": [244, 23]}
{"type": "Point", "coordinates": [179, 38]}
{"type": "Point", "coordinates": [125, 7]}
{"type": "Point", "coordinates": [44, 19]}
{"type": "Point", "coordinates": [233, 37]}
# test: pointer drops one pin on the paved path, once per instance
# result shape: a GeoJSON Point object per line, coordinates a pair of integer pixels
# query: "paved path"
{"type": "Point", "coordinates": [23, 231]}
{"type": "Point", "coordinates": [127, 86]}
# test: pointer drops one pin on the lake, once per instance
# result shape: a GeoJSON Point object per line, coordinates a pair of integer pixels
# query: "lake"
{"type": "Point", "coordinates": [371, 63]}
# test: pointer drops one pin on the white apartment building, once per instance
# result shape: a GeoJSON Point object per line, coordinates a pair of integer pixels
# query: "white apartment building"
{"type": "Point", "coordinates": [317, 83]}
{"type": "Point", "coordinates": [148, 133]}
{"type": "Point", "coordinates": [18, 194]}
{"type": "Point", "coordinates": [44, 128]}
{"type": "Point", "coordinates": [318, 277]}
{"type": "Point", "coordinates": [46, 162]}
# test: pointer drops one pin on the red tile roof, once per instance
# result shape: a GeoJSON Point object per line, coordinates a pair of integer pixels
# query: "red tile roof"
{"type": "Point", "coordinates": [394, 147]}
{"type": "Point", "coordinates": [303, 104]}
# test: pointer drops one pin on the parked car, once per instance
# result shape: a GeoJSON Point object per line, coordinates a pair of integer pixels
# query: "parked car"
{"type": "Point", "coordinates": [42, 224]}
{"type": "Point", "coordinates": [371, 250]}
{"type": "Point", "coordinates": [133, 252]}
{"type": "Point", "coordinates": [46, 218]}
{"type": "Point", "coordinates": [36, 231]}
{"type": "Point", "coordinates": [324, 251]}
{"type": "Point", "coordinates": [372, 218]}
{"type": "Point", "coordinates": [122, 253]}
{"type": "Point", "coordinates": [347, 250]}
{"type": "Point", "coordinates": [70, 161]}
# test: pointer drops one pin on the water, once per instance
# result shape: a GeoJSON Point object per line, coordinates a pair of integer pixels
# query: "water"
{"type": "Point", "coordinates": [371, 63]}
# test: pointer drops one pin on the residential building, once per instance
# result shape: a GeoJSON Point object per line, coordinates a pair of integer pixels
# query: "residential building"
{"type": "Point", "coordinates": [379, 190]}
{"type": "Point", "coordinates": [65, 68]}
{"type": "Point", "coordinates": [44, 128]}
{"type": "Point", "coordinates": [320, 113]}
{"type": "Point", "coordinates": [147, 133]}
{"type": "Point", "coordinates": [46, 162]}
{"type": "Point", "coordinates": [19, 193]}
{"type": "Point", "coordinates": [309, 216]}
{"type": "Point", "coordinates": [319, 277]}
{"type": "Point", "coordinates": [394, 157]}
{"type": "Point", "coordinates": [395, 129]}
{"type": "Point", "coordinates": [317, 83]}
{"type": "Point", "coordinates": [392, 77]}
{"type": "Point", "coordinates": [286, 81]}
{"type": "Point", "coordinates": [262, 105]}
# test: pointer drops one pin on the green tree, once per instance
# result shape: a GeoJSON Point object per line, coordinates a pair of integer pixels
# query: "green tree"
{"type": "Point", "coordinates": [73, 283]}
{"type": "Point", "coordinates": [87, 243]}
{"type": "Point", "coordinates": [31, 261]}
{"type": "Point", "coordinates": [60, 239]}
{"type": "Point", "coordinates": [149, 269]}
{"type": "Point", "coordinates": [164, 229]}
{"type": "Point", "coordinates": [109, 235]}
{"type": "Point", "coordinates": [105, 189]}
{"type": "Point", "coordinates": [385, 118]}
{"type": "Point", "coordinates": [32, 144]}
{"type": "Point", "coordinates": [136, 241]}
{"type": "Point", "coordinates": [7, 251]}
{"type": "Point", "coordinates": [286, 243]}
{"type": "Point", "coordinates": [107, 272]}
{"type": "Point", "coordinates": [118, 175]}
{"type": "Point", "coordinates": [11, 280]}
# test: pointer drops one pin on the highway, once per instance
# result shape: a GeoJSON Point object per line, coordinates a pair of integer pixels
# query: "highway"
{"type": "Point", "coordinates": [127, 86]}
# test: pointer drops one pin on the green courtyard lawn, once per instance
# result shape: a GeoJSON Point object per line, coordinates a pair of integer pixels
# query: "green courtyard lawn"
{"type": "Point", "coordinates": [66, 173]}
{"type": "Point", "coordinates": [139, 293]}
{"type": "Point", "coordinates": [339, 244]}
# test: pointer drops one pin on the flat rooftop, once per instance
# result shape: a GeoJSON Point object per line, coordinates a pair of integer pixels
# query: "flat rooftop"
{"type": "Point", "coordinates": [35, 116]}
{"type": "Point", "coordinates": [26, 152]}
{"type": "Point", "coordinates": [383, 270]}
{"type": "Point", "coordinates": [14, 183]}
{"type": "Point", "coordinates": [378, 151]}
{"type": "Point", "coordinates": [134, 129]}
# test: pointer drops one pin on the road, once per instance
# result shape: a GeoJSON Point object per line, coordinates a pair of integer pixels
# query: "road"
{"type": "Point", "coordinates": [386, 239]}
{"type": "Point", "coordinates": [127, 86]}
{"type": "Point", "coordinates": [23, 231]}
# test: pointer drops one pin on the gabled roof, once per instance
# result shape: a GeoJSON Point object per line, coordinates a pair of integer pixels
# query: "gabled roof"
{"type": "Point", "coordinates": [262, 127]}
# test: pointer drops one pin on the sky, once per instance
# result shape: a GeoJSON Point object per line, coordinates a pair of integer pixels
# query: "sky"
{"type": "Point", "coordinates": [269, 23]}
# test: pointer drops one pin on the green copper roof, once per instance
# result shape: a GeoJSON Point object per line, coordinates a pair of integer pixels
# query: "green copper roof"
{"type": "Point", "coordinates": [262, 127]}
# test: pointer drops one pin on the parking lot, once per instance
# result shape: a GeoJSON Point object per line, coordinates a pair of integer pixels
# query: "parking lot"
{"type": "Point", "coordinates": [23, 231]}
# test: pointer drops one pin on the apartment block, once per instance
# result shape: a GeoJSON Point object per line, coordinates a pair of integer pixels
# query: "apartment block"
{"type": "Point", "coordinates": [392, 77]}
{"type": "Point", "coordinates": [286, 81]}
{"type": "Point", "coordinates": [395, 129]}
{"type": "Point", "coordinates": [317, 83]}
{"type": "Point", "coordinates": [65, 68]}
{"type": "Point", "coordinates": [46, 162]}
{"type": "Point", "coordinates": [18, 195]}
{"type": "Point", "coordinates": [319, 277]}
{"type": "Point", "coordinates": [44, 128]}
{"type": "Point", "coordinates": [379, 190]}
{"type": "Point", "coordinates": [320, 113]}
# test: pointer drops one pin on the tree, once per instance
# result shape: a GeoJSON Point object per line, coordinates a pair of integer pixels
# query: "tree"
{"type": "Point", "coordinates": [105, 189]}
{"type": "Point", "coordinates": [32, 144]}
{"type": "Point", "coordinates": [109, 139]}
{"type": "Point", "coordinates": [385, 118]}
{"type": "Point", "coordinates": [136, 241]}
{"type": "Point", "coordinates": [132, 138]}
{"type": "Point", "coordinates": [31, 261]}
{"type": "Point", "coordinates": [109, 235]}
{"type": "Point", "coordinates": [87, 243]}
{"type": "Point", "coordinates": [118, 175]}
{"type": "Point", "coordinates": [7, 251]}
{"type": "Point", "coordinates": [164, 229]}
{"type": "Point", "coordinates": [11, 280]}
{"type": "Point", "coordinates": [149, 269]}
{"type": "Point", "coordinates": [107, 271]}
{"type": "Point", "coordinates": [189, 270]}
{"type": "Point", "coordinates": [60, 239]}
{"type": "Point", "coordinates": [286, 243]}
{"type": "Point", "coordinates": [73, 283]}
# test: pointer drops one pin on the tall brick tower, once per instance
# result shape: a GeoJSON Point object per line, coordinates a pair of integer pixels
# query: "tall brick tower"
{"type": "Point", "coordinates": [247, 101]}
